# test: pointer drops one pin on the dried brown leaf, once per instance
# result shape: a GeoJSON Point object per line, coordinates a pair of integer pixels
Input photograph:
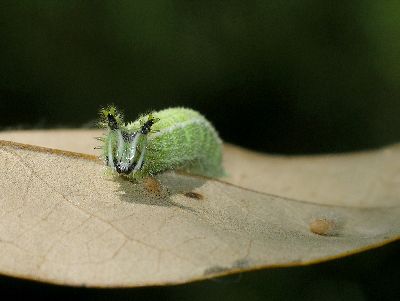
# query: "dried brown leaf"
{"type": "Point", "coordinates": [64, 221]}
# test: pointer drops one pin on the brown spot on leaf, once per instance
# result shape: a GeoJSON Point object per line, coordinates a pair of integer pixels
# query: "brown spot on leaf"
{"type": "Point", "coordinates": [322, 226]}
{"type": "Point", "coordinates": [152, 185]}
{"type": "Point", "coordinates": [193, 195]}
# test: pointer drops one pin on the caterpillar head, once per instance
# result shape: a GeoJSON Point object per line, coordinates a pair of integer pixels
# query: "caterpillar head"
{"type": "Point", "coordinates": [124, 150]}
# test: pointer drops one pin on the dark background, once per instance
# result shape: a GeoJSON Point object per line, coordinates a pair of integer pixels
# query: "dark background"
{"type": "Point", "coordinates": [276, 76]}
{"type": "Point", "coordinates": [279, 76]}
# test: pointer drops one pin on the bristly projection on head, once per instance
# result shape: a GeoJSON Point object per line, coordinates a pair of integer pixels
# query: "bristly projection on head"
{"type": "Point", "coordinates": [175, 138]}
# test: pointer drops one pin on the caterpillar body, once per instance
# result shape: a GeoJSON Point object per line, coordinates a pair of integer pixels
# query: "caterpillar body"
{"type": "Point", "coordinates": [174, 138]}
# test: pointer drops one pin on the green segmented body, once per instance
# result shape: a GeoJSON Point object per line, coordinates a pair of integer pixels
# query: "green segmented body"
{"type": "Point", "coordinates": [180, 138]}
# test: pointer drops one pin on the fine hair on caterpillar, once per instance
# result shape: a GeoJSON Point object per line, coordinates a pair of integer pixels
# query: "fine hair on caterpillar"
{"type": "Point", "coordinates": [175, 138]}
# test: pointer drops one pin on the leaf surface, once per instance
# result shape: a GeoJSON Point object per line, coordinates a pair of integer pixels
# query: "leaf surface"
{"type": "Point", "coordinates": [63, 220]}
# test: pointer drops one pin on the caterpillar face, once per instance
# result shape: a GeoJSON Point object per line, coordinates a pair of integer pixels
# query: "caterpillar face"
{"type": "Point", "coordinates": [126, 149]}
{"type": "Point", "coordinates": [175, 138]}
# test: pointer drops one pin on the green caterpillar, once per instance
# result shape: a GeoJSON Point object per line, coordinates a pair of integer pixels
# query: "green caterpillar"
{"type": "Point", "coordinates": [175, 138]}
